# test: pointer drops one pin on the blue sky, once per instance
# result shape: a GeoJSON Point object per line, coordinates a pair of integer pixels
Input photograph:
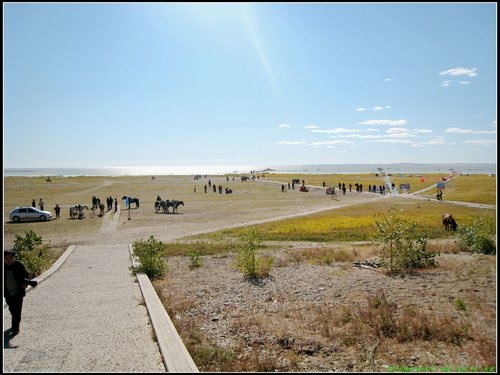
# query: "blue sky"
{"type": "Point", "coordinates": [130, 84]}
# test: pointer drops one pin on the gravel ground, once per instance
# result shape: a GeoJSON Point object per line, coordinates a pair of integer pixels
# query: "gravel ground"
{"type": "Point", "coordinates": [290, 321]}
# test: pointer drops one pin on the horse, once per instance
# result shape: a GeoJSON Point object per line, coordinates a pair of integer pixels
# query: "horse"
{"type": "Point", "coordinates": [132, 200]}
{"type": "Point", "coordinates": [77, 211]}
{"type": "Point", "coordinates": [449, 222]}
{"type": "Point", "coordinates": [176, 205]}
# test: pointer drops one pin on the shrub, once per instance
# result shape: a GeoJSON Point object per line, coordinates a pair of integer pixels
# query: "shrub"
{"type": "Point", "coordinates": [478, 237]}
{"type": "Point", "coordinates": [401, 247]}
{"type": "Point", "coordinates": [248, 262]}
{"type": "Point", "coordinates": [195, 258]}
{"type": "Point", "coordinates": [151, 257]}
{"type": "Point", "coordinates": [460, 304]}
{"type": "Point", "coordinates": [32, 252]}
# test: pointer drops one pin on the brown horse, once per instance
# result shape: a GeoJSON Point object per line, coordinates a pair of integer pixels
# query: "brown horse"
{"type": "Point", "coordinates": [449, 222]}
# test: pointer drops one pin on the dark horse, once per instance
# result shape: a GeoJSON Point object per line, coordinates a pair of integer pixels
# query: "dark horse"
{"type": "Point", "coordinates": [174, 204]}
{"type": "Point", "coordinates": [132, 200]}
{"type": "Point", "coordinates": [449, 222]}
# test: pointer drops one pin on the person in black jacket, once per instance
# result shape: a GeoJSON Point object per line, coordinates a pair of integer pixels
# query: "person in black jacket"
{"type": "Point", "coordinates": [15, 283]}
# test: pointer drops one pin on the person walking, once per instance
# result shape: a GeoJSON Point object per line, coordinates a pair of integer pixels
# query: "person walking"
{"type": "Point", "coordinates": [116, 205]}
{"type": "Point", "coordinates": [16, 281]}
{"type": "Point", "coordinates": [57, 209]}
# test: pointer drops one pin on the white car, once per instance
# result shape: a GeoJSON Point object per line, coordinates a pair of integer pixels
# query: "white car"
{"type": "Point", "coordinates": [29, 214]}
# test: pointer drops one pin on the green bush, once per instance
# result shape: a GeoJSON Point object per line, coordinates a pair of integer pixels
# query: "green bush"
{"type": "Point", "coordinates": [401, 247]}
{"type": "Point", "coordinates": [195, 258]}
{"type": "Point", "coordinates": [151, 257]}
{"type": "Point", "coordinates": [247, 261]}
{"type": "Point", "coordinates": [32, 252]}
{"type": "Point", "coordinates": [478, 237]}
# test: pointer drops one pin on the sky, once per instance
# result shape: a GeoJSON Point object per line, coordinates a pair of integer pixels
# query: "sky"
{"type": "Point", "coordinates": [158, 84]}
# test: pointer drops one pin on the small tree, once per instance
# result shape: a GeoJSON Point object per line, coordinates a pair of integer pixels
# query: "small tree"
{"type": "Point", "coordinates": [248, 262]}
{"type": "Point", "coordinates": [151, 257]}
{"type": "Point", "coordinates": [478, 237]}
{"type": "Point", "coordinates": [401, 247]}
{"type": "Point", "coordinates": [31, 250]}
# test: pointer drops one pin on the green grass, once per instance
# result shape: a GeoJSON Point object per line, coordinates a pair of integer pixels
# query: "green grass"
{"type": "Point", "coordinates": [354, 223]}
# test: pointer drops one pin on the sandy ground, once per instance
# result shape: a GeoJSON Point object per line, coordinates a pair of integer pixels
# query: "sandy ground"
{"type": "Point", "coordinates": [252, 202]}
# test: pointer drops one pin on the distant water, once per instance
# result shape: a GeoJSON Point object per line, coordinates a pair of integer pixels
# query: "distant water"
{"type": "Point", "coordinates": [431, 168]}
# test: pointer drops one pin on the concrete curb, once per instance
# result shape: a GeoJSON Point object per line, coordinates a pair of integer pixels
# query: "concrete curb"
{"type": "Point", "coordinates": [174, 353]}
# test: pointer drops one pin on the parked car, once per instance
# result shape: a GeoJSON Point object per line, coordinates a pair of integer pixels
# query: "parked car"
{"type": "Point", "coordinates": [29, 214]}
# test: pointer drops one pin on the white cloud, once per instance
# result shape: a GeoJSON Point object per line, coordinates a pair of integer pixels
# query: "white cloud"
{"type": "Point", "coordinates": [485, 142]}
{"type": "Point", "coordinates": [423, 131]}
{"type": "Point", "coordinates": [390, 140]}
{"type": "Point", "coordinates": [459, 72]}
{"type": "Point", "coordinates": [330, 143]}
{"type": "Point", "coordinates": [349, 135]}
{"type": "Point", "coordinates": [311, 127]}
{"type": "Point", "coordinates": [384, 122]}
{"type": "Point", "coordinates": [458, 131]}
{"type": "Point", "coordinates": [435, 141]}
{"type": "Point", "coordinates": [387, 79]}
{"type": "Point", "coordinates": [452, 82]}
{"type": "Point", "coordinates": [284, 126]}
{"type": "Point", "coordinates": [374, 108]}
{"type": "Point", "coordinates": [397, 130]}
{"type": "Point", "coordinates": [469, 131]}
{"type": "Point", "coordinates": [485, 132]}
{"type": "Point", "coordinates": [334, 131]}
{"type": "Point", "coordinates": [292, 143]}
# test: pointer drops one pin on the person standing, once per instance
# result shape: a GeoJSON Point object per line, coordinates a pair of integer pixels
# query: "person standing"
{"type": "Point", "coordinates": [116, 205]}
{"type": "Point", "coordinates": [41, 204]}
{"type": "Point", "coordinates": [33, 203]}
{"type": "Point", "coordinates": [57, 209]}
{"type": "Point", "coordinates": [15, 280]}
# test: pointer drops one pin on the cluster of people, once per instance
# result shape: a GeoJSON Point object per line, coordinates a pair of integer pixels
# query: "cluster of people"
{"type": "Point", "coordinates": [373, 189]}
{"type": "Point", "coordinates": [216, 188]}
{"type": "Point", "coordinates": [41, 204]}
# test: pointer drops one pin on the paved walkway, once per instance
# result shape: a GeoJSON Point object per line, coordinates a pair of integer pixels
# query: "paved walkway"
{"type": "Point", "coordinates": [88, 316]}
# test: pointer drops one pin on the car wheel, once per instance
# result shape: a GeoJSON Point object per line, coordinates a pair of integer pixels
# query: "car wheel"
{"type": "Point", "coordinates": [43, 218]}
{"type": "Point", "coordinates": [16, 219]}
